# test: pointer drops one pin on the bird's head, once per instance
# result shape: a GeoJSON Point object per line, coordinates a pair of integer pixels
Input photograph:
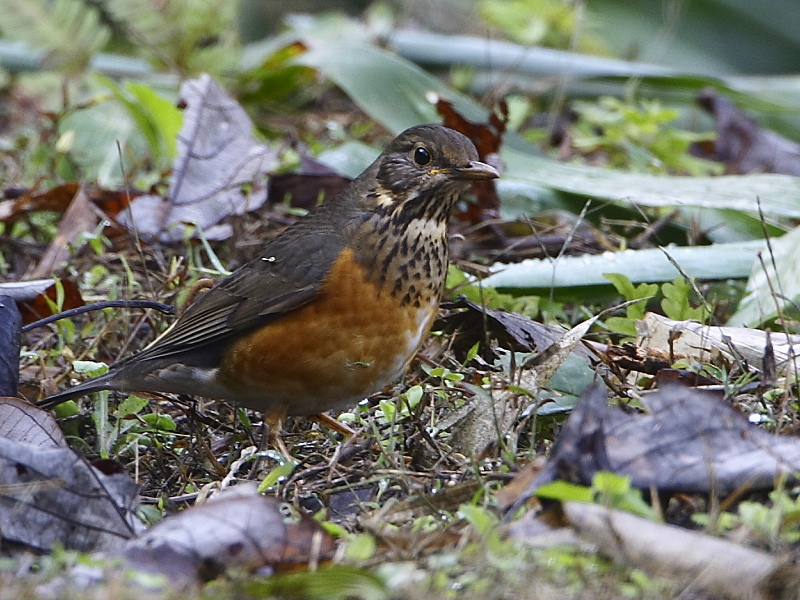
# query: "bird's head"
{"type": "Point", "coordinates": [425, 169]}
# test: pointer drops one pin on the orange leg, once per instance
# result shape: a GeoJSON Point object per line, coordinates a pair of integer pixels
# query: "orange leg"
{"type": "Point", "coordinates": [273, 419]}
{"type": "Point", "coordinates": [331, 423]}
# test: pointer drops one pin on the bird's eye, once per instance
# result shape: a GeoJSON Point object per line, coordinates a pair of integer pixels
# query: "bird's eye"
{"type": "Point", "coordinates": [422, 157]}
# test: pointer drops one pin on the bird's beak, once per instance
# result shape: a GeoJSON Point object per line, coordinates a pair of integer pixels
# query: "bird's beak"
{"type": "Point", "coordinates": [475, 171]}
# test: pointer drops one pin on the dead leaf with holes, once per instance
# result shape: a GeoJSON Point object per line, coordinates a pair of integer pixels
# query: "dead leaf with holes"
{"type": "Point", "coordinates": [239, 530]}
{"type": "Point", "coordinates": [220, 170]}
{"type": "Point", "coordinates": [690, 441]}
{"type": "Point", "coordinates": [49, 494]}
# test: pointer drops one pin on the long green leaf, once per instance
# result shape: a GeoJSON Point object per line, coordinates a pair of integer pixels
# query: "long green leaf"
{"type": "Point", "coordinates": [393, 91]}
{"type": "Point", "coordinates": [774, 283]}
{"type": "Point", "coordinates": [719, 261]}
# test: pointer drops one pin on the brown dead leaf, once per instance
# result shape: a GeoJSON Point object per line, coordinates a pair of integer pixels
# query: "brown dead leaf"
{"type": "Point", "coordinates": [31, 296]}
{"type": "Point", "coordinates": [21, 421]}
{"type": "Point", "coordinates": [487, 139]}
{"type": "Point", "coordinates": [10, 330]}
{"type": "Point", "coordinates": [49, 494]}
{"type": "Point", "coordinates": [306, 186]}
{"type": "Point", "coordinates": [642, 360]}
{"type": "Point", "coordinates": [508, 494]}
{"type": "Point", "coordinates": [56, 199]}
{"type": "Point", "coordinates": [717, 566]}
{"type": "Point", "coordinates": [78, 219]}
{"type": "Point", "coordinates": [245, 531]}
{"type": "Point", "coordinates": [471, 323]}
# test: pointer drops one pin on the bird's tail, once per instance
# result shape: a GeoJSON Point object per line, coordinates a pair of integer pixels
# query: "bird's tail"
{"type": "Point", "coordinates": [104, 382]}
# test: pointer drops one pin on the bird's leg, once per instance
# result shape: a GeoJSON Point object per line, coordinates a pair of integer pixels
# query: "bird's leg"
{"type": "Point", "coordinates": [273, 422]}
{"type": "Point", "coordinates": [335, 424]}
{"type": "Point", "coordinates": [271, 425]}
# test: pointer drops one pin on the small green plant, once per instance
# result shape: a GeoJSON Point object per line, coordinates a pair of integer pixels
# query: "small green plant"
{"type": "Point", "coordinates": [775, 524]}
{"type": "Point", "coordinates": [676, 302]}
{"type": "Point", "coordinates": [608, 489]}
{"type": "Point", "coordinates": [634, 312]}
{"type": "Point", "coordinates": [550, 23]}
{"type": "Point", "coordinates": [638, 137]}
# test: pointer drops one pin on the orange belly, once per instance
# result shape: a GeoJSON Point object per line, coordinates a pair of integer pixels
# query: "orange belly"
{"type": "Point", "coordinates": [346, 344]}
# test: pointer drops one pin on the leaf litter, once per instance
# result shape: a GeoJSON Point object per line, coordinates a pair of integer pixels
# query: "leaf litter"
{"type": "Point", "coordinates": [687, 442]}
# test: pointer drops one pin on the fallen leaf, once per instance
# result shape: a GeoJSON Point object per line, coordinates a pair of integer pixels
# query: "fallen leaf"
{"type": "Point", "coordinates": [743, 345]}
{"type": "Point", "coordinates": [49, 494]}
{"type": "Point", "coordinates": [487, 138]}
{"type": "Point", "coordinates": [32, 296]}
{"type": "Point", "coordinates": [745, 147]}
{"type": "Point", "coordinates": [219, 171]}
{"type": "Point", "coordinates": [10, 324]}
{"type": "Point", "coordinates": [717, 566]}
{"type": "Point", "coordinates": [21, 421]}
{"type": "Point", "coordinates": [690, 441]}
{"type": "Point", "coordinates": [471, 323]}
{"type": "Point", "coordinates": [78, 219]}
{"type": "Point", "coordinates": [305, 187]}
{"type": "Point", "coordinates": [56, 199]}
{"type": "Point", "coordinates": [245, 531]}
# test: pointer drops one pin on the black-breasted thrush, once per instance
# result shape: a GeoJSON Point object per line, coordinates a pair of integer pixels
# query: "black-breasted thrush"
{"type": "Point", "coordinates": [334, 308]}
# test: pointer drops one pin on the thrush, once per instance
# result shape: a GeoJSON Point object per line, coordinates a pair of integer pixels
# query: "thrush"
{"type": "Point", "coordinates": [334, 308]}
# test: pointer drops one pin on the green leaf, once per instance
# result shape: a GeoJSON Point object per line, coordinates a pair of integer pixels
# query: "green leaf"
{"type": "Point", "coordinates": [565, 492]}
{"type": "Point", "coordinates": [360, 547]}
{"type": "Point", "coordinates": [569, 381]}
{"type": "Point", "coordinates": [389, 410]}
{"type": "Point", "coordinates": [132, 405]}
{"type": "Point", "coordinates": [369, 72]}
{"type": "Point", "coordinates": [719, 261]}
{"type": "Point", "coordinates": [160, 422]}
{"type": "Point", "coordinates": [526, 173]}
{"type": "Point", "coordinates": [615, 491]}
{"type": "Point", "coordinates": [285, 468]}
{"type": "Point", "coordinates": [676, 303]}
{"type": "Point", "coordinates": [101, 130]}
{"type": "Point", "coordinates": [622, 325]}
{"type": "Point", "coordinates": [157, 117]}
{"type": "Point", "coordinates": [413, 395]}
{"type": "Point", "coordinates": [625, 287]}
{"type": "Point", "coordinates": [69, 31]}
{"type": "Point", "coordinates": [89, 367]}
{"type": "Point", "coordinates": [337, 582]}
{"type": "Point", "coordinates": [483, 521]}
{"type": "Point", "coordinates": [774, 285]}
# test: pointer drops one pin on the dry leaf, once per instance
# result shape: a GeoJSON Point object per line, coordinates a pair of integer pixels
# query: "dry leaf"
{"type": "Point", "coordinates": [49, 494]}
{"type": "Point", "coordinates": [745, 147]}
{"type": "Point", "coordinates": [10, 323]}
{"type": "Point", "coordinates": [714, 565]}
{"type": "Point", "coordinates": [21, 421]}
{"type": "Point", "coordinates": [218, 158]}
{"type": "Point", "coordinates": [31, 296]}
{"type": "Point", "coordinates": [241, 531]}
{"type": "Point", "coordinates": [487, 138]}
{"type": "Point", "coordinates": [737, 344]}
{"type": "Point", "coordinates": [79, 219]}
{"type": "Point", "coordinates": [691, 441]}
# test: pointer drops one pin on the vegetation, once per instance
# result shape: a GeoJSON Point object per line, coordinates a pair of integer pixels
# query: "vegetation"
{"type": "Point", "coordinates": [609, 159]}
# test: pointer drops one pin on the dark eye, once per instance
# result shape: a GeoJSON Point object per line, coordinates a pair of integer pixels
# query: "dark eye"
{"type": "Point", "coordinates": [422, 156]}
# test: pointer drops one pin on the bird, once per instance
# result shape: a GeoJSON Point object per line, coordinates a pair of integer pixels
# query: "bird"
{"type": "Point", "coordinates": [334, 308]}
